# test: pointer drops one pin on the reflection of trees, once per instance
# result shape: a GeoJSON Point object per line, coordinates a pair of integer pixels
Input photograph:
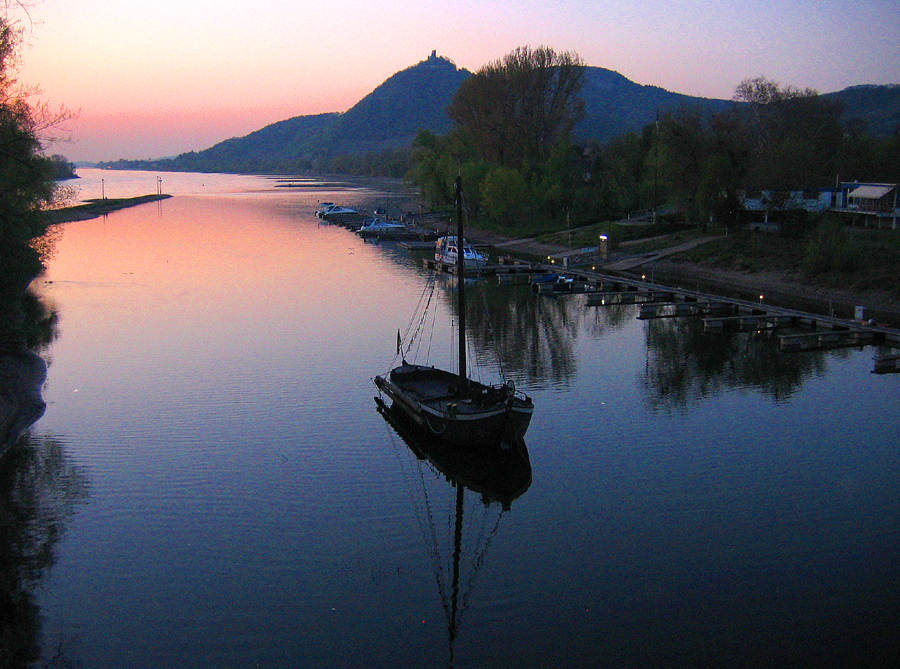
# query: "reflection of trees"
{"type": "Point", "coordinates": [26, 325]}
{"type": "Point", "coordinates": [531, 337]}
{"type": "Point", "coordinates": [686, 364]}
{"type": "Point", "coordinates": [25, 321]}
{"type": "Point", "coordinates": [39, 488]}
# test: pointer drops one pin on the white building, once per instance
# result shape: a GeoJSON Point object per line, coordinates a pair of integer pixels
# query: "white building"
{"type": "Point", "coordinates": [868, 203]}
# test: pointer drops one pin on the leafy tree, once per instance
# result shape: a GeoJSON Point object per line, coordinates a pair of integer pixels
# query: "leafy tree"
{"type": "Point", "coordinates": [432, 170]}
{"type": "Point", "coordinates": [505, 194]}
{"type": "Point", "coordinates": [62, 168]}
{"type": "Point", "coordinates": [26, 185]}
{"type": "Point", "coordinates": [684, 150]}
{"type": "Point", "coordinates": [616, 173]}
{"type": "Point", "coordinates": [26, 175]}
{"type": "Point", "coordinates": [797, 134]}
{"type": "Point", "coordinates": [717, 192]}
{"type": "Point", "coordinates": [519, 107]}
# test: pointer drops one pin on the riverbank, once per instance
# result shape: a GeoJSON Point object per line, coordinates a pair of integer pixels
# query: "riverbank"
{"type": "Point", "coordinates": [22, 376]}
{"type": "Point", "coordinates": [778, 288]}
{"type": "Point", "coordinates": [96, 208]}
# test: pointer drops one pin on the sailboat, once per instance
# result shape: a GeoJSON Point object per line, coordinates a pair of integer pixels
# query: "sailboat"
{"type": "Point", "coordinates": [497, 476]}
{"type": "Point", "coordinates": [450, 405]}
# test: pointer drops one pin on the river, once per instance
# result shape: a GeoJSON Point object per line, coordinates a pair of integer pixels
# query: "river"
{"type": "Point", "coordinates": [212, 485]}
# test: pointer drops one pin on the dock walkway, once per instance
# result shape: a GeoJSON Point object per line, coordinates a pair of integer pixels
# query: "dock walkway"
{"type": "Point", "coordinates": [797, 330]}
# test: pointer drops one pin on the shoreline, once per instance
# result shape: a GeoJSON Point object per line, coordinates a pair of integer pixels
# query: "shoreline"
{"type": "Point", "coordinates": [777, 288]}
{"type": "Point", "coordinates": [96, 208]}
{"type": "Point", "coordinates": [780, 290]}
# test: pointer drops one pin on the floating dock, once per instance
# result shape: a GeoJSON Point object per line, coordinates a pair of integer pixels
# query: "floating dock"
{"type": "Point", "coordinates": [796, 330]}
{"type": "Point", "coordinates": [499, 269]}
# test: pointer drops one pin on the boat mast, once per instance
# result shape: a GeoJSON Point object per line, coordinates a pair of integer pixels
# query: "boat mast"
{"type": "Point", "coordinates": [461, 280]}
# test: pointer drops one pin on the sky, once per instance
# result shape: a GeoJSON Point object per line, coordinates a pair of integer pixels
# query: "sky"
{"type": "Point", "coordinates": [151, 80]}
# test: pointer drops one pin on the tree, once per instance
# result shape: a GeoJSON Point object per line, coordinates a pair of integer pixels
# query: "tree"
{"type": "Point", "coordinates": [505, 195]}
{"type": "Point", "coordinates": [519, 107]}
{"type": "Point", "coordinates": [684, 148]}
{"type": "Point", "coordinates": [62, 168]}
{"type": "Point", "coordinates": [797, 134]}
{"type": "Point", "coordinates": [27, 184]}
{"type": "Point", "coordinates": [26, 175]}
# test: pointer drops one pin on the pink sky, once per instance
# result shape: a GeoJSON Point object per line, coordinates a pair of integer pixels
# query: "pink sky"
{"type": "Point", "coordinates": [154, 80]}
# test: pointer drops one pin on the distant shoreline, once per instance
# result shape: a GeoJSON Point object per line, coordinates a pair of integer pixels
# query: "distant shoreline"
{"type": "Point", "coordinates": [96, 208]}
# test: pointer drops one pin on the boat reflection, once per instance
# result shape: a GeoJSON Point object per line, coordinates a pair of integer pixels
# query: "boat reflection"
{"type": "Point", "coordinates": [499, 475]}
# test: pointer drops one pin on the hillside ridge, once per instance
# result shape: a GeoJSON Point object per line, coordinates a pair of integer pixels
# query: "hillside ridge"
{"type": "Point", "coordinates": [417, 98]}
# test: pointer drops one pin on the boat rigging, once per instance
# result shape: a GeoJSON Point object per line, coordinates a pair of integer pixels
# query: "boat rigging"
{"type": "Point", "coordinates": [449, 404]}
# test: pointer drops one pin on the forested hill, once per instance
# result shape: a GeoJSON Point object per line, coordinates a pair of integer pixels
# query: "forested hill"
{"type": "Point", "coordinates": [875, 108]}
{"type": "Point", "coordinates": [417, 98]}
{"type": "Point", "coordinates": [615, 105]}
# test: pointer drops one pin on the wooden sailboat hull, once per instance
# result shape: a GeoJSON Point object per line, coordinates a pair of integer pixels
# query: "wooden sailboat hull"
{"type": "Point", "coordinates": [458, 411]}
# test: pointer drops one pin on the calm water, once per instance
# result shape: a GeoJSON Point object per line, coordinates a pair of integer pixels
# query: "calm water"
{"type": "Point", "coordinates": [214, 486]}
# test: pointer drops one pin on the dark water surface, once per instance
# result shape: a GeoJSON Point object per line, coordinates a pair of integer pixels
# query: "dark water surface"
{"type": "Point", "coordinates": [214, 486]}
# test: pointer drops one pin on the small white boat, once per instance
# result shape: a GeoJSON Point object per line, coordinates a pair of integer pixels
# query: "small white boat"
{"type": "Point", "coordinates": [447, 251]}
{"type": "Point", "coordinates": [377, 226]}
{"type": "Point", "coordinates": [330, 210]}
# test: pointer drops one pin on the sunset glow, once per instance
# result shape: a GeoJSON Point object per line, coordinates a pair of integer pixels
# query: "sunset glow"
{"type": "Point", "coordinates": [153, 81]}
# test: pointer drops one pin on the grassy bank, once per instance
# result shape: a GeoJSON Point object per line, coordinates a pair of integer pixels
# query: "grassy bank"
{"type": "Point", "coordinates": [831, 257]}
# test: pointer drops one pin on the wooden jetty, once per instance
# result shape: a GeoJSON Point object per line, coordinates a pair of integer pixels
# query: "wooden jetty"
{"type": "Point", "coordinates": [408, 235]}
{"type": "Point", "coordinates": [887, 364]}
{"type": "Point", "coordinates": [797, 330]}
{"type": "Point", "coordinates": [498, 269]}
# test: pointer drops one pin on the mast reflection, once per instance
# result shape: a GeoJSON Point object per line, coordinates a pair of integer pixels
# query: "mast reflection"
{"type": "Point", "coordinates": [498, 475]}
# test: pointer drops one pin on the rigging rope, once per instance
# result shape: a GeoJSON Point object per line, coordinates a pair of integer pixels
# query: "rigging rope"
{"type": "Point", "coordinates": [416, 322]}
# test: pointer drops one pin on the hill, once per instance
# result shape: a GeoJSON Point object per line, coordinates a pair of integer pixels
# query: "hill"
{"type": "Point", "coordinates": [392, 114]}
{"type": "Point", "coordinates": [417, 98]}
{"type": "Point", "coordinates": [876, 108]}
{"type": "Point", "coordinates": [615, 105]}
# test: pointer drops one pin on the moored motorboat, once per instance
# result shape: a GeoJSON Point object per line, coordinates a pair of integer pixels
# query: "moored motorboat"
{"type": "Point", "coordinates": [331, 212]}
{"type": "Point", "coordinates": [375, 227]}
{"type": "Point", "coordinates": [446, 251]}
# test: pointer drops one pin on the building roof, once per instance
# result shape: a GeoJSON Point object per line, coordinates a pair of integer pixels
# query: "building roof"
{"type": "Point", "coordinates": [871, 191]}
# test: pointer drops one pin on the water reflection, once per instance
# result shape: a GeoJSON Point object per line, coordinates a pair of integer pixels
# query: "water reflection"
{"type": "Point", "coordinates": [686, 364]}
{"type": "Point", "coordinates": [497, 476]}
{"type": "Point", "coordinates": [27, 324]}
{"type": "Point", "coordinates": [39, 488]}
{"type": "Point", "coordinates": [532, 339]}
